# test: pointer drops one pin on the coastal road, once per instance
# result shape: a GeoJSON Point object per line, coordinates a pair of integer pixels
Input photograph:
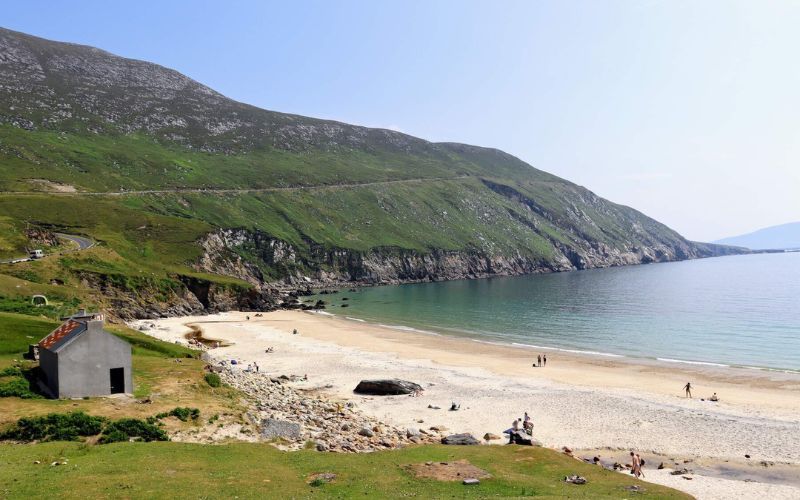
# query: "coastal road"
{"type": "Point", "coordinates": [274, 189]}
{"type": "Point", "coordinates": [82, 242]}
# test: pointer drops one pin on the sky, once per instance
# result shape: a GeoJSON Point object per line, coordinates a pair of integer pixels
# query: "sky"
{"type": "Point", "coordinates": [687, 111]}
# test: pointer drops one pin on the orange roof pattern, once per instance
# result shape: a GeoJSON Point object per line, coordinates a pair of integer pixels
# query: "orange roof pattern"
{"type": "Point", "coordinates": [59, 333]}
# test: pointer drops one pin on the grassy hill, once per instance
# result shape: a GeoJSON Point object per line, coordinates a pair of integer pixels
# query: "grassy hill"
{"type": "Point", "coordinates": [199, 202]}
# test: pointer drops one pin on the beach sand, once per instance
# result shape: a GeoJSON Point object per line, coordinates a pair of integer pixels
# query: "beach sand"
{"type": "Point", "coordinates": [593, 404]}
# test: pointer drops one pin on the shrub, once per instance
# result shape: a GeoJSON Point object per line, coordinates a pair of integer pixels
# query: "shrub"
{"type": "Point", "coordinates": [11, 371]}
{"type": "Point", "coordinates": [132, 428]}
{"type": "Point", "coordinates": [213, 379]}
{"type": "Point", "coordinates": [55, 427]}
{"type": "Point", "coordinates": [184, 414]}
{"type": "Point", "coordinates": [23, 385]}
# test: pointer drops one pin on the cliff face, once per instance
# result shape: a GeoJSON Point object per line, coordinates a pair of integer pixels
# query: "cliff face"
{"type": "Point", "coordinates": [244, 254]}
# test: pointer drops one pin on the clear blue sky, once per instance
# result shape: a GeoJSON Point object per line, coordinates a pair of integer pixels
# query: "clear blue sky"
{"type": "Point", "coordinates": [688, 111]}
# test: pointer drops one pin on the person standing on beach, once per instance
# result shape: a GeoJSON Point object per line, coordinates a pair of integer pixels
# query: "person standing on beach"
{"type": "Point", "coordinates": [688, 389]}
{"type": "Point", "coordinates": [544, 359]}
{"type": "Point", "coordinates": [539, 360]}
{"type": "Point", "coordinates": [636, 464]}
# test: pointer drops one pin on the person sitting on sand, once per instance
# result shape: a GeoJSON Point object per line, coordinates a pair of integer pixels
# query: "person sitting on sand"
{"type": "Point", "coordinates": [454, 406]}
{"type": "Point", "coordinates": [688, 389]}
{"type": "Point", "coordinates": [714, 398]}
{"type": "Point", "coordinates": [294, 332]}
{"type": "Point", "coordinates": [527, 423]}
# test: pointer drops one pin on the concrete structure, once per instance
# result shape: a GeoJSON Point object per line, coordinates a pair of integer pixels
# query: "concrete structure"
{"type": "Point", "coordinates": [39, 300]}
{"type": "Point", "coordinates": [80, 359]}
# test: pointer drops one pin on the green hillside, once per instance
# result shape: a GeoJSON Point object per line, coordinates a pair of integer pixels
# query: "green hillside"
{"type": "Point", "coordinates": [199, 202]}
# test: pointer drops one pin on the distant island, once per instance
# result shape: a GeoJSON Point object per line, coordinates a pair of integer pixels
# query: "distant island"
{"type": "Point", "coordinates": [783, 236]}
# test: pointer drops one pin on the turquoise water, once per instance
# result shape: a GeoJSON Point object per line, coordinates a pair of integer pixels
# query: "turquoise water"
{"type": "Point", "coordinates": [741, 310]}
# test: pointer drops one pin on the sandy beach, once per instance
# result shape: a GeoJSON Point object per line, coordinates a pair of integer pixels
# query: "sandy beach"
{"type": "Point", "coordinates": [594, 405]}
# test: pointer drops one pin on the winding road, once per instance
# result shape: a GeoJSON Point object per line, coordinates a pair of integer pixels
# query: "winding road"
{"type": "Point", "coordinates": [82, 242]}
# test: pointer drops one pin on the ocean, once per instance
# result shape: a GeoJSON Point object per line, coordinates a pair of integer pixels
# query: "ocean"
{"type": "Point", "coordinates": [727, 311]}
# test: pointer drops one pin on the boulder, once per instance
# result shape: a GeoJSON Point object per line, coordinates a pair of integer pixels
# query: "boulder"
{"type": "Point", "coordinates": [491, 437]}
{"type": "Point", "coordinates": [366, 432]}
{"type": "Point", "coordinates": [272, 428]}
{"type": "Point", "coordinates": [387, 387]}
{"type": "Point", "coordinates": [460, 439]}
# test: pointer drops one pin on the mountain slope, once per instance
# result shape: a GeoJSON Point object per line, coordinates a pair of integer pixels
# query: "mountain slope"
{"type": "Point", "coordinates": [783, 236]}
{"type": "Point", "coordinates": [181, 184]}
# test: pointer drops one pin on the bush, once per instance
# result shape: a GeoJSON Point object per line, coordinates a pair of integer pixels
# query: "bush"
{"type": "Point", "coordinates": [181, 413]}
{"type": "Point", "coordinates": [18, 388]}
{"type": "Point", "coordinates": [126, 429]}
{"type": "Point", "coordinates": [11, 371]}
{"type": "Point", "coordinates": [184, 414]}
{"type": "Point", "coordinates": [55, 427]}
{"type": "Point", "coordinates": [213, 379]}
{"type": "Point", "coordinates": [23, 385]}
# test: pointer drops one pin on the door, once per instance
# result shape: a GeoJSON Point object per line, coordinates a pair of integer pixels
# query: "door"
{"type": "Point", "coordinates": [117, 380]}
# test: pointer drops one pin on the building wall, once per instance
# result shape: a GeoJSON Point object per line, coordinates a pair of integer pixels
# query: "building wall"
{"type": "Point", "coordinates": [48, 362]}
{"type": "Point", "coordinates": [84, 364]}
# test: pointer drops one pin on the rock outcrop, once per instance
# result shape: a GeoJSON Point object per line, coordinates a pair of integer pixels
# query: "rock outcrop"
{"type": "Point", "coordinates": [387, 387]}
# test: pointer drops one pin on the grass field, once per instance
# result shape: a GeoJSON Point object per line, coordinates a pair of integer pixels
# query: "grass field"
{"type": "Point", "coordinates": [174, 470]}
{"type": "Point", "coordinates": [156, 374]}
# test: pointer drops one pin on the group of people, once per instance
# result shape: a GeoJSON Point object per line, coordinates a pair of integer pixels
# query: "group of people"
{"type": "Point", "coordinates": [252, 367]}
{"type": "Point", "coordinates": [521, 430]}
{"type": "Point", "coordinates": [541, 360]}
{"type": "Point", "coordinates": [688, 390]}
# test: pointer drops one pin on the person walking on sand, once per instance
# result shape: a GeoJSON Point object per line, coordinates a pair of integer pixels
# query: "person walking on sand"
{"type": "Point", "coordinates": [688, 389]}
{"type": "Point", "coordinates": [636, 465]}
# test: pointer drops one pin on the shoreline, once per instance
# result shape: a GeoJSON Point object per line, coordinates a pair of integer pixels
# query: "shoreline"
{"type": "Point", "coordinates": [593, 404]}
{"type": "Point", "coordinates": [474, 337]}
{"type": "Point", "coordinates": [753, 380]}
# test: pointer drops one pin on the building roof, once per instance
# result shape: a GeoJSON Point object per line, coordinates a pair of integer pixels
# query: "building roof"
{"type": "Point", "coordinates": [68, 330]}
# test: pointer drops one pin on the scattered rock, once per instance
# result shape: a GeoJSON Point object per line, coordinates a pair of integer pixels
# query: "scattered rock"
{"type": "Point", "coordinates": [678, 472]}
{"type": "Point", "coordinates": [491, 437]}
{"type": "Point", "coordinates": [471, 481]}
{"type": "Point", "coordinates": [321, 477]}
{"type": "Point", "coordinates": [387, 387]}
{"type": "Point", "coordinates": [575, 479]}
{"type": "Point", "coordinates": [661, 466]}
{"type": "Point", "coordinates": [366, 432]}
{"type": "Point", "coordinates": [412, 432]}
{"type": "Point", "coordinates": [460, 439]}
{"type": "Point", "coordinates": [438, 428]}
{"type": "Point", "coordinates": [687, 478]}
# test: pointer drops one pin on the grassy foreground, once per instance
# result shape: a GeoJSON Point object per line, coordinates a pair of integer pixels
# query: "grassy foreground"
{"type": "Point", "coordinates": [175, 470]}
